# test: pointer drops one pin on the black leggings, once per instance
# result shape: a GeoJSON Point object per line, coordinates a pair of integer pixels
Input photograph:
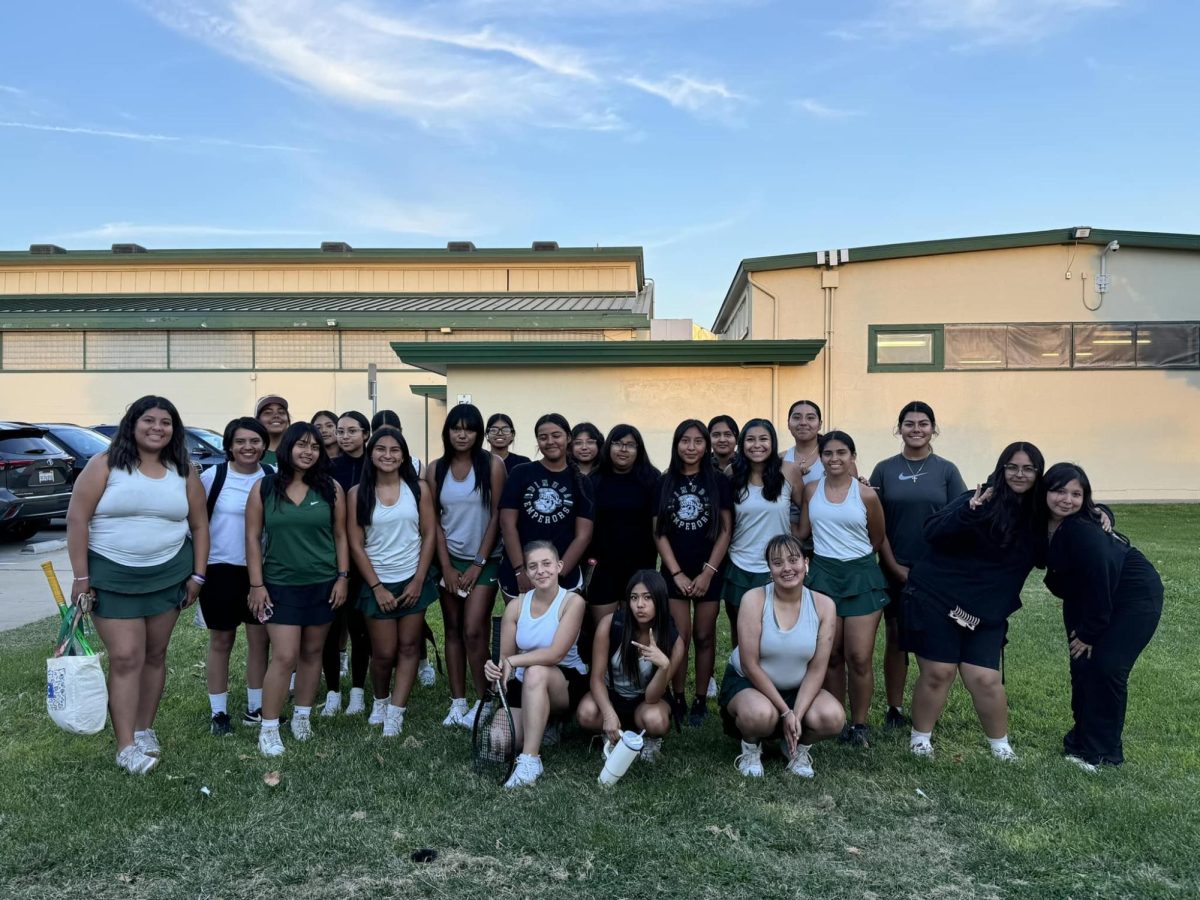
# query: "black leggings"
{"type": "Point", "coordinates": [360, 648]}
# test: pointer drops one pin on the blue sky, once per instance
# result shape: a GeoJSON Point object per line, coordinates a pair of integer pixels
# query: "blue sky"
{"type": "Point", "coordinates": [704, 130]}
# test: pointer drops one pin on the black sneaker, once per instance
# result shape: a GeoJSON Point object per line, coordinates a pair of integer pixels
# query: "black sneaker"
{"type": "Point", "coordinates": [860, 736]}
{"type": "Point", "coordinates": [698, 712]}
{"type": "Point", "coordinates": [253, 718]}
{"type": "Point", "coordinates": [844, 737]}
{"type": "Point", "coordinates": [895, 719]}
{"type": "Point", "coordinates": [221, 725]}
{"type": "Point", "coordinates": [678, 709]}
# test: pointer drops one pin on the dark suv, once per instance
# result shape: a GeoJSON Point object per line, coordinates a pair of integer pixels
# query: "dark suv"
{"type": "Point", "coordinates": [205, 448]}
{"type": "Point", "coordinates": [35, 480]}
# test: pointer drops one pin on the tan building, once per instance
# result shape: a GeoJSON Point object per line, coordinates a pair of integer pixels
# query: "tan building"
{"type": "Point", "coordinates": [83, 333]}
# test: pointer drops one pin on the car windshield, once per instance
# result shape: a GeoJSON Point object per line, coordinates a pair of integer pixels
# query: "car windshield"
{"type": "Point", "coordinates": [209, 437]}
{"type": "Point", "coordinates": [84, 440]}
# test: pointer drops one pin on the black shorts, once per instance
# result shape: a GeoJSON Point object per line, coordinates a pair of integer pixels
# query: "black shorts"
{"type": "Point", "coordinates": [578, 685]}
{"type": "Point", "coordinates": [300, 604]}
{"type": "Point", "coordinates": [894, 611]}
{"type": "Point", "coordinates": [930, 633]}
{"type": "Point", "coordinates": [223, 597]}
{"type": "Point", "coordinates": [625, 707]}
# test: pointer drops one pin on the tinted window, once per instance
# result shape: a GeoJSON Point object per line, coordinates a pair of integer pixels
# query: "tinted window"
{"type": "Point", "coordinates": [29, 446]}
{"type": "Point", "coordinates": [83, 440]}
{"type": "Point", "coordinates": [211, 438]}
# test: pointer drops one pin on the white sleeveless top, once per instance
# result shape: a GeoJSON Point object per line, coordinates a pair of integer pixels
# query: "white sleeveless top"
{"type": "Point", "coordinates": [393, 542]}
{"type": "Point", "coordinates": [839, 529]}
{"type": "Point", "coordinates": [140, 521]}
{"type": "Point", "coordinates": [464, 517]}
{"type": "Point", "coordinates": [784, 655]}
{"type": "Point", "coordinates": [815, 472]}
{"type": "Point", "coordinates": [756, 521]}
{"type": "Point", "coordinates": [537, 632]}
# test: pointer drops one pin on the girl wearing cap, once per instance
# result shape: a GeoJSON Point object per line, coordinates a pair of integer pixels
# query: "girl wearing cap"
{"type": "Point", "coordinates": [272, 412]}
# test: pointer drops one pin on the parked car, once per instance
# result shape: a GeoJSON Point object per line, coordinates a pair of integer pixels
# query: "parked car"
{"type": "Point", "coordinates": [82, 443]}
{"type": "Point", "coordinates": [205, 447]}
{"type": "Point", "coordinates": [35, 480]}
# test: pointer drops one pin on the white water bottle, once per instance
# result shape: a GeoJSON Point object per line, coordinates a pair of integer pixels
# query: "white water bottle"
{"type": "Point", "coordinates": [618, 759]}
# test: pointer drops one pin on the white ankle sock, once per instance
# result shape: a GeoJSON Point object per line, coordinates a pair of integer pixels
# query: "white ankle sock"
{"type": "Point", "coordinates": [396, 710]}
{"type": "Point", "coordinates": [219, 703]}
{"type": "Point", "coordinates": [302, 712]}
{"type": "Point", "coordinates": [920, 737]}
{"type": "Point", "coordinates": [803, 748]}
{"type": "Point", "coordinates": [270, 723]}
{"type": "Point", "coordinates": [356, 693]}
{"type": "Point", "coordinates": [1000, 743]}
{"type": "Point", "coordinates": [253, 698]}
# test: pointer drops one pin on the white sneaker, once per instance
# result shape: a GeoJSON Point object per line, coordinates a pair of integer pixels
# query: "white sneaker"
{"type": "Point", "coordinates": [651, 750]}
{"type": "Point", "coordinates": [378, 711]}
{"type": "Point", "coordinates": [921, 748]}
{"type": "Point", "coordinates": [1083, 764]}
{"type": "Point", "coordinates": [134, 761]}
{"type": "Point", "coordinates": [393, 721]}
{"type": "Point", "coordinates": [147, 742]}
{"type": "Point", "coordinates": [468, 718]}
{"type": "Point", "coordinates": [426, 673]}
{"type": "Point", "coordinates": [528, 770]}
{"type": "Point", "coordinates": [301, 728]}
{"type": "Point", "coordinates": [749, 762]}
{"type": "Point", "coordinates": [344, 663]}
{"type": "Point", "coordinates": [357, 705]}
{"type": "Point", "coordinates": [457, 714]}
{"type": "Point", "coordinates": [1005, 754]}
{"type": "Point", "coordinates": [269, 741]}
{"type": "Point", "coordinates": [712, 689]}
{"type": "Point", "coordinates": [801, 764]}
{"type": "Point", "coordinates": [333, 704]}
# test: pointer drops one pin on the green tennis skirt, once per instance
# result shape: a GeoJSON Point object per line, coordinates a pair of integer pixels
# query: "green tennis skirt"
{"type": "Point", "coordinates": [856, 586]}
{"type": "Point", "coordinates": [138, 592]}
{"type": "Point", "coordinates": [738, 581]}
{"type": "Point", "coordinates": [487, 574]}
{"type": "Point", "coordinates": [370, 609]}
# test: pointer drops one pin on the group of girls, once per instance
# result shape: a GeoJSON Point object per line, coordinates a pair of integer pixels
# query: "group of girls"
{"type": "Point", "coordinates": [805, 554]}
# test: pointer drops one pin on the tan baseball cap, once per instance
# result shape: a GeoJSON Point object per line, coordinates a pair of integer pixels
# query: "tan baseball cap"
{"type": "Point", "coordinates": [267, 401]}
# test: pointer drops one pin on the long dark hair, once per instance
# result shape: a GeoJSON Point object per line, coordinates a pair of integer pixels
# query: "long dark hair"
{"type": "Point", "coordinates": [643, 470]}
{"type": "Point", "coordinates": [244, 423]}
{"type": "Point", "coordinates": [386, 417]}
{"type": "Point", "coordinates": [706, 480]}
{"type": "Point", "coordinates": [772, 473]}
{"type": "Point", "coordinates": [657, 586]}
{"type": "Point", "coordinates": [1007, 514]}
{"type": "Point", "coordinates": [365, 505]}
{"type": "Point", "coordinates": [917, 406]}
{"type": "Point", "coordinates": [469, 416]}
{"type": "Point", "coordinates": [123, 452]}
{"type": "Point", "coordinates": [591, 431]}
{"type": "Point", "coordinates": [317, 477]}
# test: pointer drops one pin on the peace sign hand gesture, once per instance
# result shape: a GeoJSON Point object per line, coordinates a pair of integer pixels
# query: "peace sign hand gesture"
{"type": "Point", "coordinates": [980, 497]}
{"type": "Point", "coordinates": [652, 652]}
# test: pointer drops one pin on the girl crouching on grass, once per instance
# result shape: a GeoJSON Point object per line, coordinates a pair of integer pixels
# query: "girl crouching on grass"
{"type": "Point", "coordinates": [634, 655]}
{"type": "Point", "coordinates": [773, 684]}
{"type": "Point", "coordinates": [392, 539]}
{"type": "Point", "coordinates": [539, 660]}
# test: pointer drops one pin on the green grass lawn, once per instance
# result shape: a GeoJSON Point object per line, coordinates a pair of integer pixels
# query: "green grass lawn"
{"type": "Point", "coordinates": [351, 807]}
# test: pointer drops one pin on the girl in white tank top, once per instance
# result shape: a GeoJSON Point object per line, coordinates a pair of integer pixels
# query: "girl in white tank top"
{"type": "Point", "coordinates": [539, 657]}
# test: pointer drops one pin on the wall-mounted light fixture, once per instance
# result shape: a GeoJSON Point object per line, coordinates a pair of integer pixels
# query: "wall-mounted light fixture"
{"type": "Point", "coordinates": [1081, 233]}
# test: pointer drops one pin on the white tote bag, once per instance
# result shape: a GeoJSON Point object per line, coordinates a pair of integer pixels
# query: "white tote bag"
{"type": "Point", "coordinates": [76, 695]}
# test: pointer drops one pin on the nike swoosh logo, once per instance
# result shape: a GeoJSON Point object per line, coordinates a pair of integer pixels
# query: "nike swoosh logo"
{"type": "Point", "coordinates": [313, 502]}
{"type": "Point", "coordinates": [904, 477]}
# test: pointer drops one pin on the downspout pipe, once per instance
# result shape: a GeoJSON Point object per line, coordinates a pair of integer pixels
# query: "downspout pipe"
{"type": "Point", "coordinates": [775, 410]}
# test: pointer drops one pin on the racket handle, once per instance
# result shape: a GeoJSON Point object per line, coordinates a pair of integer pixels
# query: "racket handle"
{"type": "Point", "coordinates": [496, 622]}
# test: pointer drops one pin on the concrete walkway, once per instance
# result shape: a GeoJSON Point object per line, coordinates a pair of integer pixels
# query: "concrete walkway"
{"type": "Point", "coordinates": [24, 593]}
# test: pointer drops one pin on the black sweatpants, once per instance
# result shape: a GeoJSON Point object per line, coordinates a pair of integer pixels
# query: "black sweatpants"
{"type": "Point", "coordinates": [1100, 685]}
{"type": "Point", "coordinates": [348, 616]}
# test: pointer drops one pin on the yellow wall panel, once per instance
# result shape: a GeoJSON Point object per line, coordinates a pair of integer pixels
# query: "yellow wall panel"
{"type": "Point", "coordinates": [605, 281]}
{"type": "Point", "coordinates": [425, 281]}
{"type": "Point", "coordinates": [141, 282]}
{"type": "Point", "coordinates": [171, 280]}
{"type": "Point", "coordinates": [275, 280]}
{"type": "Point", "coordinates": [158, 281]}
{"type": "Point", "coordinates": [471, 280]}
{"type": "Point", "coordinates": [261, 279]}
{"type": "Point", "coordinates": [41, 282]}
{"type": "Point", "coordinates": [320, 279]}
{"type": "Point", "coordinates": [70, 283]}
{"type": "Point", "coordinates": [455, 279]}
{"type": "Point", "coordinates": [27, 282]}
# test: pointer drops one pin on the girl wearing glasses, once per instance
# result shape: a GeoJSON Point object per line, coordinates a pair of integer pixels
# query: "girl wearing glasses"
{"type": "Point", "coordinates": [500, 436]}
{"type": "Point", "coordinates": [960, 594]}
{"type": "Point", "coordinates": [584, 450]}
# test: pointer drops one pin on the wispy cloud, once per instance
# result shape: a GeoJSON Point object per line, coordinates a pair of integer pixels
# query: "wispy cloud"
{"type": "Point", "coordinates": [149, 231]}
{"type": "Point", "coordinates": [821, 111]}
{"type": "Point", "coordinates": [666, 237]}
{"type": "Point", "coordinates": [976, 22]}
{"type": "Point", "coordinates": [9, 89]}
{"type": "Point", "coordinates": [151, 137]}
{"type": "Point", "coordinates": [412, 64]}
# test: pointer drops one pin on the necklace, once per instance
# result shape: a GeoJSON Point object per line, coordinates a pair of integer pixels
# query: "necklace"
{"type": "Point", "coordinates": [913, 476]}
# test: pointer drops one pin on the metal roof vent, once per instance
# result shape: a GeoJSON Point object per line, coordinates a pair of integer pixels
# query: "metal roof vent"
{"type": "Point", "coordinates": [128, 248]}
{"type": "Point", "coordinates": [460, 246]}
{"type": "Point", "coordinates": [543, 246]}
{"type": "Point", "coordinates": [335, 247]}
{"type": "Point", "coordinates": [45, 249]}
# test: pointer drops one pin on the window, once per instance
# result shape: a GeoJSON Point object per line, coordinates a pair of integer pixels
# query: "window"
{"type": "Point", "coordinates": [127, 350]}
{"type": "Point", "coordinates": [1039, 346]}
{"type": "Point", "coordinates": [1168, 346]}
{"type": "Point", "coordinates": [975, 347]}
{"type": "Point", "coordinates": [1107, 346]}
{"type": "Point", "coordinates": [42, 350]}
{"type": "Point", "coordinates": [904, 348]}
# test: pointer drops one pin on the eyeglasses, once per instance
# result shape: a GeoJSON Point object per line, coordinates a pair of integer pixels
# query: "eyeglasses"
{"type": "Point", "coordinates": [1014, 469]}
{"type": "Point", "coordinates": [627, 446]}
{"type": "Point", "coordinates": [503, 430]}
{"type": "Point", "coordinates": [349, 431]}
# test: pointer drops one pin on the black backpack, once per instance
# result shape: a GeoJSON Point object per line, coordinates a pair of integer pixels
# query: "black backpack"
{"type": "Point", "coordinates": [219, 482]}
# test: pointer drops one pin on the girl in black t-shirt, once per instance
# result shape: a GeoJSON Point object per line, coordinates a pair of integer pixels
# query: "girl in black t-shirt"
{"type": "Point", "coordinates": [500, 436]}
{"type": "Point", "coordinates": [692, 526]}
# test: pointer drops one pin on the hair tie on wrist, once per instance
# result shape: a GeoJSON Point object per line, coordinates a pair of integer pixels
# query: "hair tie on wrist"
{"type": "Point", "coordinates": [376, 584]}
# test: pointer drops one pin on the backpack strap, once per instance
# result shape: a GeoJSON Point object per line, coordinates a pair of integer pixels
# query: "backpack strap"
{"type": "Point", "coordinates": [218, 483]}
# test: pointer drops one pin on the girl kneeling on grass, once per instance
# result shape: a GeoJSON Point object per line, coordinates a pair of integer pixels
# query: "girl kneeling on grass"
{"type": "Point", "coordinates": [539, 660]}
{"type": "Point", "coordinates": [773, 684]}
{"type": "Point", "coordinates": [634, 655]}
{"type": "Point", "coordinates": [299, 577]}
{"type": "Point", "coordinates": [392, 539]}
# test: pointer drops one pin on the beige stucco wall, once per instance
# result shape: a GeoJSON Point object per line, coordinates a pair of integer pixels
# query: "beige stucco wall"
{"type": "Point", "coordinates": [211, 399]}
{"type": "Point", "coordinates": [1096, 418]}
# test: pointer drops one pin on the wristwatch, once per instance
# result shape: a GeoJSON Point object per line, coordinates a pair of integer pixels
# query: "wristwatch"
{"type": "Point", "coordinates": [480, 561]}
{"type": "Point", "coordinates": [343, 575]}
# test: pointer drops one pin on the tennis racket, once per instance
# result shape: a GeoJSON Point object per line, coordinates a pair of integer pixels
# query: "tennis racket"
{"type": "Point", "coordinates": [589, 569]}
{"type": "Point", "coordinates": [493, 736]}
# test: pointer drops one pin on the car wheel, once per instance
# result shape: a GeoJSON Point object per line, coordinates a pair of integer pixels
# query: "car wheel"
{"type": "Point", "coordinates": [22, 531]}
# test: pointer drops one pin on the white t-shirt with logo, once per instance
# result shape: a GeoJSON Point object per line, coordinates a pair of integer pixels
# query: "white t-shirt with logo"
{"type": "Point", "coordinates": [227, 528]}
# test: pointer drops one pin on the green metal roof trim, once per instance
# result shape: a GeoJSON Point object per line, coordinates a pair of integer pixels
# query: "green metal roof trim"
{"type": "Point", "coordinates": [1147, 240]}
{"type": "Point", "coordinates": [351, 311]}
{"type": "Point", "coordinates": [310, 255]}
{"type": "Point", "coordinates": [429, 391]}
{"type": "Point", "coordinates": [438, 357]}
